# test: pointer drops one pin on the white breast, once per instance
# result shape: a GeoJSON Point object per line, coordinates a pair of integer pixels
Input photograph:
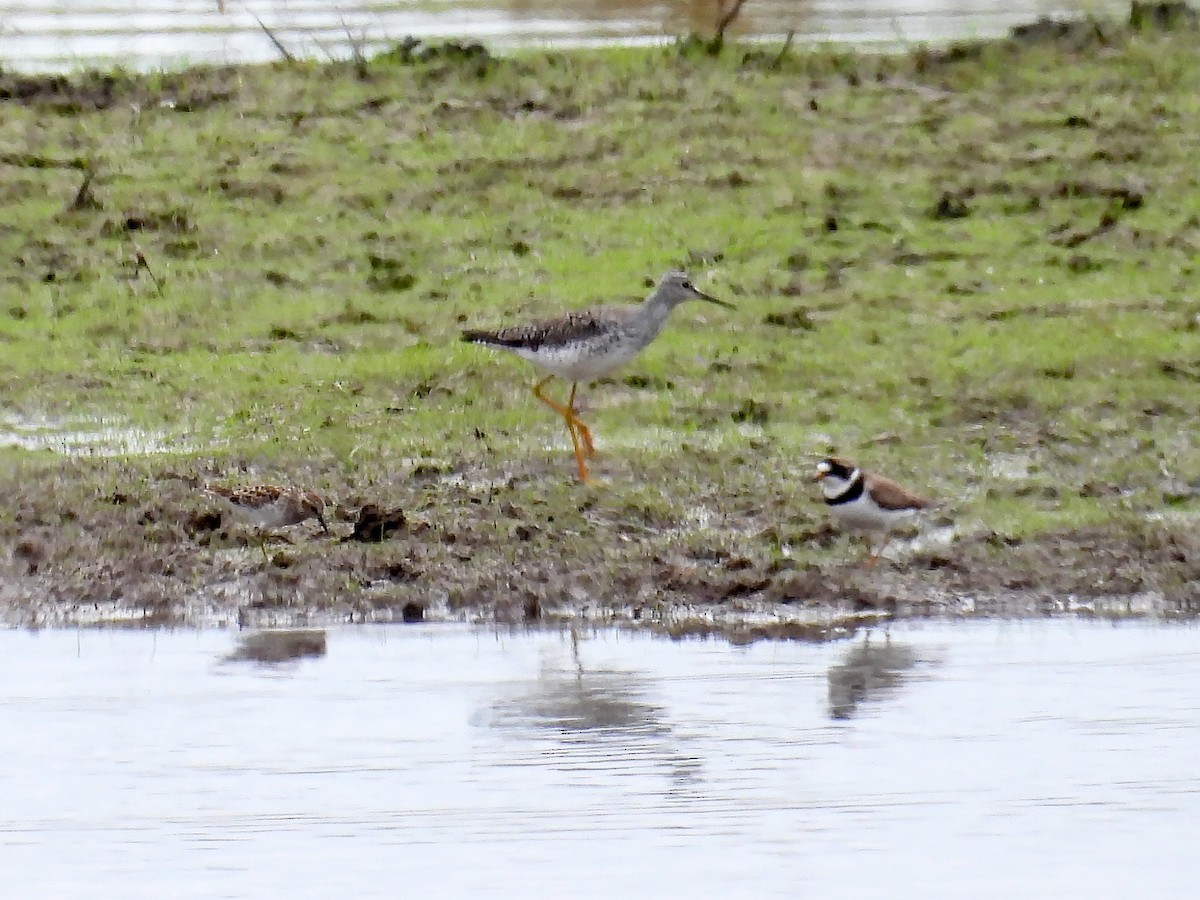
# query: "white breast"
{"type": "Point", "coordinates": [574, 363]}
{"type": "Point", "coordinates": [272, 515]}
{"type": "Point", "coordinates": [864, 515]}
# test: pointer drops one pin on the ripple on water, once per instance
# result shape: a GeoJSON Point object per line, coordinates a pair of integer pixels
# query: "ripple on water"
{"type": "Point", "coordinates": [991, 759]}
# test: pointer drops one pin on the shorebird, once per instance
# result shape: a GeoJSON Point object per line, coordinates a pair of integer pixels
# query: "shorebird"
{"type": "Point", "coordinates": [867, 502]}
{"type": "Point", "coordinates": [584, 345]}
{"type": "Point", "coordinates": [270, 506]}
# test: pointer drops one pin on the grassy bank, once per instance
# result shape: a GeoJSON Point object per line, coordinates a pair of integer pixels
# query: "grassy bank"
{"type": "Point", "coordinates": [972, 268]}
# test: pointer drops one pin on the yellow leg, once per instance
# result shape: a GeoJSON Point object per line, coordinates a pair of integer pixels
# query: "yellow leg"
{"type": "Point", "coordinates": [569, 418]}
{"type": "Point", "coordinates": [584, 432]}
{"type": "Point", "coordinates": [874, 552]}
{"type": "Point", "coordinates": [549, 401]}
{"type": "Point", "coordinates": [574, 423]}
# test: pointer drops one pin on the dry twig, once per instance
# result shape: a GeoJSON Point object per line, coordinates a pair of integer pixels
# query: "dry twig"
{"type": "Point", "coordinates": [783, 51]}
{"type": "Point", "coordinates": [725, 20]}
{"type": "Point", "coordinates": [357, 53]}
{"type": "Point", "coordinates": [140, 264]}
{"type": "Point", "coordinates": [279, 44]}
{"type": "Point", "coordinates": [84, 198]}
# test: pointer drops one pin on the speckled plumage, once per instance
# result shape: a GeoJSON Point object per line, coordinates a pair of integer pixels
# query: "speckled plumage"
{"type": "Point", "coordinates": [578, 346]}
{"type": "Point", "coordinates": [587, 344]}
{"type": "Point", "coordinates": [571, 328]}
{"type": "Point", "coordinates": [270, 506]}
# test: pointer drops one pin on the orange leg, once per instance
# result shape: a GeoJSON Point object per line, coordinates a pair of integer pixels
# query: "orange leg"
{"type": "Point", "coordinates": [262, 545]}
{"type": "Point", "coordinates": [584, 432]}
{"type": "Point", "coordinates": [569, 417]}
{"type": "Point", "coordinates": [874, 552]}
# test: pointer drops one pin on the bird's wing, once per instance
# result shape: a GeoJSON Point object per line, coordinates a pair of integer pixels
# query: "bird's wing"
{"type": "Point", "coordinates": [889, 495]}
{"type": "Point", "coordinates": [252, 496]}
{"type": "Point", "coordinates": [564, 329]}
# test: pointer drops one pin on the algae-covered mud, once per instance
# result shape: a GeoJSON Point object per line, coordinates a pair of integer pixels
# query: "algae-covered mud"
{"type": "Point", "coordinates": [972, 268]}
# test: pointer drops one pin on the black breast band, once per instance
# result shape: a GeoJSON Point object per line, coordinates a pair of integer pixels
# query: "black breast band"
{"type": "Point", "coordinates": [852, 492]}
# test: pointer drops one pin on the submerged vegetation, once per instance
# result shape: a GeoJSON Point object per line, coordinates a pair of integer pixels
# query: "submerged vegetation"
{"type": "Point", "coordinates": [971, 267]}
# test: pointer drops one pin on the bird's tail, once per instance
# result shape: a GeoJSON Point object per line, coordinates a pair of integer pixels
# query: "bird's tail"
{"type": "Point", "coordinates": [487, 338]}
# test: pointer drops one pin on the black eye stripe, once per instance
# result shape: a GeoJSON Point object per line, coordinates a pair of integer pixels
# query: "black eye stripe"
{"type": "Point", "coordinates": [837, 470]}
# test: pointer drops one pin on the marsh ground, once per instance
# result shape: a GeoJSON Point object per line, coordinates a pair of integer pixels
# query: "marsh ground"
{"type": "Point", "coordinates": [973, 268]}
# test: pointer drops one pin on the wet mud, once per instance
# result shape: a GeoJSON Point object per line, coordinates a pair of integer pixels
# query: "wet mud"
{"type": "Point", "coordinates": [162, 554]}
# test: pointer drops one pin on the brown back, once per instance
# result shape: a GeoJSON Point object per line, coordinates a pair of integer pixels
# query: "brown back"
{"type": "Point", "coordinates": [890, 495]}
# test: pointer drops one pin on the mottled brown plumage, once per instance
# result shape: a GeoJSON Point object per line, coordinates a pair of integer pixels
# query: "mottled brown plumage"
{"type": "Point", "coordinates": [270, 506]}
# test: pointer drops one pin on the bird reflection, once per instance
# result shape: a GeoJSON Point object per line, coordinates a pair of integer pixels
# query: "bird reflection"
{"type": "Point", "coordinates": [867, 672]}
{"type": "Point", "coordinates": [578, 700]}
{"type": "Point", "coordinates": [599, 717]}
{"type": "Point", "coordinates": [272, 647]}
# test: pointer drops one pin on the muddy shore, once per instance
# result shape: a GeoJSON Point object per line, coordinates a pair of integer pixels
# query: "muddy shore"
{"type": "Point", "coordinates": [164, 555]}
{"type": "Point", "coordinates": [972, 267]}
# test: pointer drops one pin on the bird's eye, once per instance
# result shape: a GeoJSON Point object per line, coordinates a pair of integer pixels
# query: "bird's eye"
{"type": "Point", "coordinates": [688, 286]}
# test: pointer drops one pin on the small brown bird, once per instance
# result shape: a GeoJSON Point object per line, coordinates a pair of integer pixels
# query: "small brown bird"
{"type": "Point", "coordinates": [867, 502]}
{"type": "Point", "coordinates": [270, 506]}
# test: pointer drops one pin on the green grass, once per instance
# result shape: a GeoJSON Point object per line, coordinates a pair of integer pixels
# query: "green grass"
{"type": "Point", "coordinates": [988, 255]}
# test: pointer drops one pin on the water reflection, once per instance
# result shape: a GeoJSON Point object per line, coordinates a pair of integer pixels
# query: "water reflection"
{"type": "Point", "coordinates": [62, 34]}
{"type": "Point", "coordinates": [868, 671]}
{"type": "Point", "coordinates": [278, 646]}
{"type": "Point", "coordinates": [468, 761]}
{"type": "Point", "coordinates": [593, 705]}
{"type": "Point", "coordinates": [598, 717]}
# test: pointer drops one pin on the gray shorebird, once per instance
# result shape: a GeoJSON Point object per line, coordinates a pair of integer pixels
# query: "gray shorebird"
{"type": "Point", "coordinates": [584, 345]}
{"type": "Point", "coordinates": [867, 502]}
{"type": "Point", "coordinates": [270, 506]}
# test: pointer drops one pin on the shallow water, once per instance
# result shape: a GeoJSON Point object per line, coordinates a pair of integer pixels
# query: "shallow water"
{"type": "Point", "coordinates": [991, 760]}
{"type": "Point", "coordinates": [84, 436]}
{"type": "Point", "coordinates": [56, 34]}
